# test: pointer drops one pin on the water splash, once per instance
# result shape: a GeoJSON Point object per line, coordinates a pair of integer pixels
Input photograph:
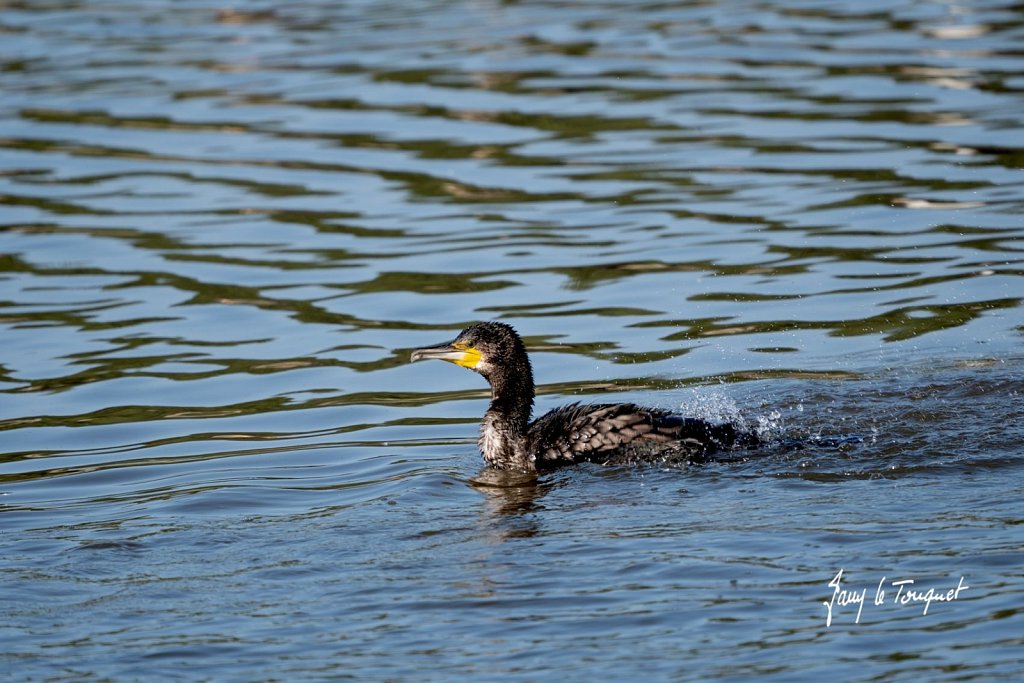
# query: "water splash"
{"type": "Point", "coordinates": [717, 408]}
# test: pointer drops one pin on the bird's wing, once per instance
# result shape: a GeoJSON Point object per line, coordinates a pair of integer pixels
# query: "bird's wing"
{"type": "Point", "coordinates": [595, 432]}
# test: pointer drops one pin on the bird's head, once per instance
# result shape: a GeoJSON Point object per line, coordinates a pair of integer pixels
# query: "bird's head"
{"type": "Point", "coordinates": [483, 348]}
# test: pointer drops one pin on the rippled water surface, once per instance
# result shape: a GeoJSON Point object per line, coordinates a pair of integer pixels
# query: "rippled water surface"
{"type": "Point", "coordinates": [222, 229]}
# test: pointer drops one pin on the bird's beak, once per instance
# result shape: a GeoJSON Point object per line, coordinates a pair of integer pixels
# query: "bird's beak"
{"type": "Point", "coordinates": [453, 352]}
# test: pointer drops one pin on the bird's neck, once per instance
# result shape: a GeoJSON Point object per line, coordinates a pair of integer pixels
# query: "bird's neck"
{"type": "Point", "coordinates": [503, 431]}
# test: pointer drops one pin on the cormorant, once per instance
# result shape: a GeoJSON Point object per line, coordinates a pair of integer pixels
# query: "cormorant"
{"type": "Point", "coordinates": [608, 433]}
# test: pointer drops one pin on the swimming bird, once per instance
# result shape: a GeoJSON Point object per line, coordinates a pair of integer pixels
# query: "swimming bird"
{"type": "Point", "coordinates": [607, 433]}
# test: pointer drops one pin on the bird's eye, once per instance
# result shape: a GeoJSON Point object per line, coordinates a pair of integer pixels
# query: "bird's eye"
{"type": "Point", "coordinates": [470, 343]}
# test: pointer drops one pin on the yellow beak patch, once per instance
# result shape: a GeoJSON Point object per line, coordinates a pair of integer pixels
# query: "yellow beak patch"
{"type": "Point", "coordinates": [470, 356]}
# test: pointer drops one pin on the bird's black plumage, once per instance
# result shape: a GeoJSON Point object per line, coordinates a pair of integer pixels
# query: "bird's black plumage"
{"type": "Point", "coordinates": [604, 433]}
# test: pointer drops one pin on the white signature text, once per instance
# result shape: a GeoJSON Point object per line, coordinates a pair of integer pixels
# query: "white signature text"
{"type": "Point", "coordinates": [905, 594]}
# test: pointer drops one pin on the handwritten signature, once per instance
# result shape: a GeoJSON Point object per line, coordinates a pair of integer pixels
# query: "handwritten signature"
{"type": "Point", "coordinates": [905, 595]}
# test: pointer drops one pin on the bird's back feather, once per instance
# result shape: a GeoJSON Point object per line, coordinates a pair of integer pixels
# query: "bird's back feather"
{"type": "Point", "coordinates": [622, 432]}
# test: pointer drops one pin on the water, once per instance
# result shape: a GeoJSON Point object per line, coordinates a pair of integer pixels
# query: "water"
{"type": "Point", "coordinates": [222, 229]}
